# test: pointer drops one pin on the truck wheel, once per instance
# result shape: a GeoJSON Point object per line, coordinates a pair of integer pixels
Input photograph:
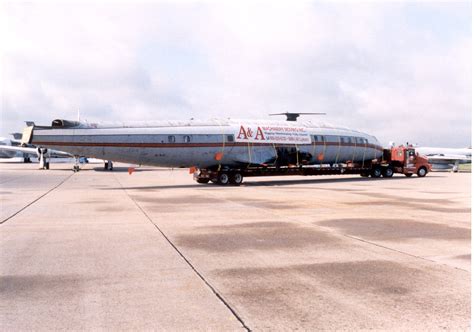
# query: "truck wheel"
{"type": "Point", "coordinates": [376, 172]}
{"type": "Point", "coordinates": [236, 178]}
{"type": "Point", "coordinates": [365, 174]}
{"type": "Point", "coordinates": [223, 179]}
{"type": "Point", "coordinates": [202, 180]}
{"type": "Point", "coordinates": [421, 172]}
{"type": "Point", "coordinates": [387, 172]}
{"type": "Point", "coordinates": [408, 175]}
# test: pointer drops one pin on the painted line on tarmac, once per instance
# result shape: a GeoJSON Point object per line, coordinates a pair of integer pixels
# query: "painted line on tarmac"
{"type": "Point", "coordinates": [37, 199]}
{"type": "Point", "coordinates": [208, 284]}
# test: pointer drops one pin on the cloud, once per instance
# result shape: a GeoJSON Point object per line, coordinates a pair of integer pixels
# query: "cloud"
{"type": "Point", "coordinates": [401, 71]}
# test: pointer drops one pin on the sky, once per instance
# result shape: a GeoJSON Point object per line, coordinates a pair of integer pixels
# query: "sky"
{"type": "Point", "coordinates": [398, 70]}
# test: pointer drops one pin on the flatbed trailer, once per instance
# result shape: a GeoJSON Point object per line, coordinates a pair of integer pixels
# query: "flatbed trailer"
{"type": "Point", "coordinates": [402, 160]}
{"type": "Point", "coordinates": [305, 171]}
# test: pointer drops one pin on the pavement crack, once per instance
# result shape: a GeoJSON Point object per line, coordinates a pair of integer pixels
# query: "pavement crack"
{"type": "Point", "coordinates": [187, 261]}
{"type": "Point", "coordinates": [37, 199]}
{"type": "Point", "coordinates": [401, 252]}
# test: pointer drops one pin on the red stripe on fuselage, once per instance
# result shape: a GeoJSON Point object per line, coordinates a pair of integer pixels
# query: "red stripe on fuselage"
{"type": "Point", "coordinates": [195, 145]}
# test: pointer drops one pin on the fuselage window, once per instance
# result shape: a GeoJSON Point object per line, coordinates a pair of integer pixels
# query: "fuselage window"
{"type": "Point", "coordinates": [319, 138]}
{"type": "Point", "coordinates": [332, 138]}
{"type": "Point", "coordinates": [230, 138]}
{"type": "Point", "coordinates": [171, 139]}
{"type": "Point", "coordinates": [186, 138]}
{"type": "Point", "coordinates": [342, 139]}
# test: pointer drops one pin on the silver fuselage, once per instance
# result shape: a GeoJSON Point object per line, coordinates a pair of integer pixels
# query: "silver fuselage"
{"type": "Point", "coordinates": [194, 143]}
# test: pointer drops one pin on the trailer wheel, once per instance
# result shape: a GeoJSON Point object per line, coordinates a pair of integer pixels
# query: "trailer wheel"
{"type": "Point", "coordinates": [387, 172]}
{"type": "Point", "coordinates": [202, 180]}
{"type": "Point", "coordinates": [421, 172]}
{"type": "Point", "coordinates": [223, 178]}
{"type": "Point", "coordinates": [236, 178]}
{"type": "Point", "coordinates": [376, 172]}
{"type": "Point", "coordinates": [408, 175]}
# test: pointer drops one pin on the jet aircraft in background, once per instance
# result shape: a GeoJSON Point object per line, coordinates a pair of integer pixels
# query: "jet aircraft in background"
{"type": "Point", "coordinates": [446, 158]}
{"type": "Point", "coordinates": [9, 150]}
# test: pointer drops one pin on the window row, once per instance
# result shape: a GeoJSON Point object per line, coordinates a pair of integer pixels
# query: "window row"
{"type": "Point", "coordinates": [341, 139]}
{"type": "Point", "coordinates": [188, 138]}
{"type": "Point", "coordinates": [185, 139]}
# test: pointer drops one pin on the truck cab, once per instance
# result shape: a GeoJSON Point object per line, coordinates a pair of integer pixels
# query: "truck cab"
{"type": "Point", "coordinates": [406, 160]}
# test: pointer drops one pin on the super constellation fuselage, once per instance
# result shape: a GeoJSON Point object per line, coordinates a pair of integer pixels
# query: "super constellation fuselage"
{"type": "Point", "coordinates": [234, 143]}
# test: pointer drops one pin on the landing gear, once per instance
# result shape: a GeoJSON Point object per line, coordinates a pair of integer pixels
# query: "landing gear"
{"type": "Point", "coordinates": [43, 158]}
{"type": "Point", "coordinates": [76, 167]}
{"type": "Point", "coordinates": [108, 165]}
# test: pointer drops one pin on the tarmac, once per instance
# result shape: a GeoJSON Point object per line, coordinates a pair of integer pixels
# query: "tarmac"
{"type": "Point", "coordinates": [155, 250]}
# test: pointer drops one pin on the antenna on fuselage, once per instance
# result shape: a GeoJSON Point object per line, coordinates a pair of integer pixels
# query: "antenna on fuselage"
{"type": "Point", "coordinates": [294, 116]}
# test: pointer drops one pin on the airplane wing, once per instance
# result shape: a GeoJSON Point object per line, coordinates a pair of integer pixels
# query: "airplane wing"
{"type": "Point", "coordinates": [448, 159]}
{"type": "Point", "coordinates": [34, 151]}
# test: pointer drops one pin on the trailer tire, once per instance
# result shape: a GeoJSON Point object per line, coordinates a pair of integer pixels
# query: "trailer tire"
{"type": "Point", "coordinates": [223, 179]}
{"type": "Point", "coordinates": [408, 175]}
{"type": "Point", "coordinates": [421, 172]}
{"type": "Point", "coordinates": [387, 172]}
{"type": "Point", "coordinates": [376, 172]}
{"type": "Point", "coordinates": [236, 178]}
{"type": "Point", "coordinates": [203, 180]}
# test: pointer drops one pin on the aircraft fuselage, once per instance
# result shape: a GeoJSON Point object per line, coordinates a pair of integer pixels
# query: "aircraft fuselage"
{"type": "Point", "coordinates": [207, 144]}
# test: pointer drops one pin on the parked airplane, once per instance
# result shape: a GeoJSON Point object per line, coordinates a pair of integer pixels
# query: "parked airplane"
{"type": "Point", "coordinates": [446, 158]}
{"type": "Point", "coordinates": [43, 154]}
{"type": "Point", "coordinates": [10, 148]}
{"type": "Point", "coordinates": [217, 145]}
